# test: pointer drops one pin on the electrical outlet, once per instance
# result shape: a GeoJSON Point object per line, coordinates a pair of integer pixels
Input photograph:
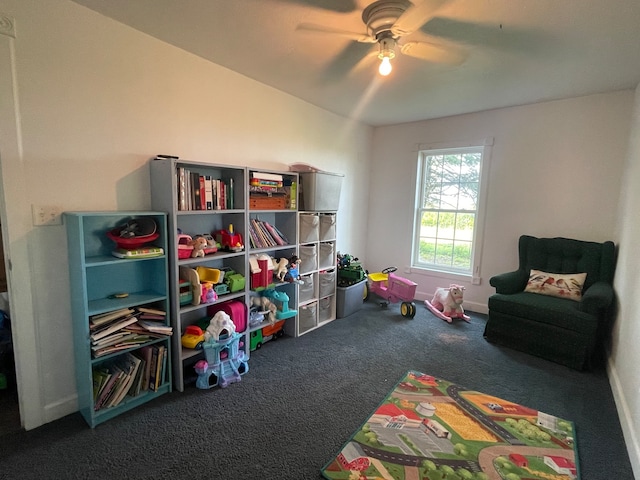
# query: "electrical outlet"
{"type": "Point", "coordinates": [44, 215]}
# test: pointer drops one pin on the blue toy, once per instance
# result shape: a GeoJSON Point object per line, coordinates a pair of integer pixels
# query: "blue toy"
{"type": "Point", "coordinates": [281, 300]}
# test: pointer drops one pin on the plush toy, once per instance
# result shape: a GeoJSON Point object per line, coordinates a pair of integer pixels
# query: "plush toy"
{"type": "Point", "coordinates": [280, 268]}
{"type": "Point", "coordinates": [447, 303]}
{"type": "Point", "coordinates": [198, 244]}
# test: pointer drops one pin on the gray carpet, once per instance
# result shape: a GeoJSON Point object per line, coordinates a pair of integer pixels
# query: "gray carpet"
{"type": "Point", "coordinates": [303, 398]}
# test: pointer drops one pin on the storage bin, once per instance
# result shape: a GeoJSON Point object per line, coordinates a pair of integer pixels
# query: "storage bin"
{"type": "Point", "coordinates": [327, 283]}
{"type": "Point", "coordinates": [349, 299]}
{"type": "Point", "coordinates": [307, 317]}
{"type": "Point", "coordinates": [308, 258]}
{"type": "Point", "coordinates": [327, 226]}
{"type": "Point", "coordinates": [325, 309]}
{"type": "Point", "coordinates": [309, 225]}
{"type": "Point", "coordinates": [306, 290]}
{"type": "Point", "coordinates": [326, 255]}
{"type": "Point", "coordinates": [321, 190]}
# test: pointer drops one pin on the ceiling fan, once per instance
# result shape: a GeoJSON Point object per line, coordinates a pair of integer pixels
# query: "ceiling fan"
{"type": "Point", "coordinates": [387, 21]}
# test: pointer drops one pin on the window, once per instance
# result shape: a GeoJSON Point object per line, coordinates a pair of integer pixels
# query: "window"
{"type": "Point", "coordinates": [447, 217]}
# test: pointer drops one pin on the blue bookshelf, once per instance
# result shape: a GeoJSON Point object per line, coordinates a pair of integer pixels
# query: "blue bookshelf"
{"type": "Point", "coordinates": [95, 276]}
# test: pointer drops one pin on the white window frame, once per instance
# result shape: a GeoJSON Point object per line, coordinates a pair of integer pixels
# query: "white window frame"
{"type": "Point", "coordinates": [423, 151]}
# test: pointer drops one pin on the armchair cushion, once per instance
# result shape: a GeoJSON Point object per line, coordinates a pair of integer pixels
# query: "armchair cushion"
{"type": "Point", "coordinates": [558, 329]}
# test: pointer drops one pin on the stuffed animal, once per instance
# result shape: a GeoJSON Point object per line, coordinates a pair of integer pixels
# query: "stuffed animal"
{"type": "Point", "coordinates": [198, 244]}
{"type": "Point", "coordinates": [280, 268]}
{"type": "Point", "coordinates": [447, 303]}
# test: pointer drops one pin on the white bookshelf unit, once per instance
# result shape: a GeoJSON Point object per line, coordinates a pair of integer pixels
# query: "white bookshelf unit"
{"type": "Point", "coordinates": [318, 271]}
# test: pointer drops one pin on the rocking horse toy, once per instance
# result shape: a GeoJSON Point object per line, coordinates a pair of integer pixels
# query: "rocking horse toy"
{"type": "Point", "coordinates": [447, 303]}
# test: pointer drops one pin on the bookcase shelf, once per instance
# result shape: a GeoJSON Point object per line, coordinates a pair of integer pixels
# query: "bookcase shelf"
{"type": "Point", "coordinates": [166, 188]}
{"type": "Point", "coordinates": [275, 206]}
{"type": "Point", "coordinates": [95, 277]}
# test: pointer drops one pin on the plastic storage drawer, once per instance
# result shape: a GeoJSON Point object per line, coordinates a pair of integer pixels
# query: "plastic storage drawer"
{"type": "Point", "coordinates": [327, 226]}
{"type": "Point", "coordinates": [327, 257]}
{"type": "Point", "coordinates": [308, 258]}
{"type": "Point", "coordinates": [309, 225]}
{"type": "Point", "coordinates": [306, 290]}
{"type": "Point", "coordinates": [307, 317]}
{"type": "Point", "coordinates": [327, 283]}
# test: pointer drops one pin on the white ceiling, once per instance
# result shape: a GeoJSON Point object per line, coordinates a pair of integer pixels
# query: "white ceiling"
{"type": "Point", "coordinates": [519, 51]}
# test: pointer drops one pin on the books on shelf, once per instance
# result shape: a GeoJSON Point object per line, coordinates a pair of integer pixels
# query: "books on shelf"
{"type": "Point", "coordinates": [126, 328]}
{"type": "Point", "coordinates": [264, 235]}
{"type": "Point", "coordinates": [114, 380]}
{"type": "Point", "coordinates": [158, 365]}
{"type": "Point", "coordinates": [203, 192]}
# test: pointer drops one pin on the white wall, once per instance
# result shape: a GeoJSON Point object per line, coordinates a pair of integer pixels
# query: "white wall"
{"type": "Point", "coordinates": [625, 355]}
{"type": "Point", "coordinates": [555, 170]}
{"type": "Point", "coordinates": [95, 100]}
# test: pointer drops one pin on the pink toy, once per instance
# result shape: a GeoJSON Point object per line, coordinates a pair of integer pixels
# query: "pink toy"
{"type": "Point", "coordinates": [447, 303]}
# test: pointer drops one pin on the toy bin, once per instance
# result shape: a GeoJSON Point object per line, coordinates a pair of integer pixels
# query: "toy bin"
{"type": "Point", "coordinates": [327, 226]}
{"type": "Point", "coordinates": [309, 225]}
{"type": "Point", "coordinates": [349, 299]}
{"type": "Point", "coordinates": [308, 258]}
{"type": "Point", "coordinates": [326, 255]}
{"type": "Point", "coordinates": [321, 190]}
{"type": "Point", "coordinates": [327, 283]}
{"type": "Point", "coordinates": [306, 290]}
{"type": "Point", "coordinates": [325, 309]}
{"type": "Point", "coordinates": [307, 317]}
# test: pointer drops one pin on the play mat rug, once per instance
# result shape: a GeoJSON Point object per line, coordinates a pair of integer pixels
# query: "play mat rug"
{"type": "Point", "coordinates": [431, 429]}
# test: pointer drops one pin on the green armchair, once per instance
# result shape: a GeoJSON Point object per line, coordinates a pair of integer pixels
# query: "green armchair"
{"type": "Point", "coordinates": [562, 330]}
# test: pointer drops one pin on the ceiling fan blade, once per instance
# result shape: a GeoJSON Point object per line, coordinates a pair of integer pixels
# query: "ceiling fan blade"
{"type": "Point", "coordinates": [449, 55]}
{"type": "Point", "coordinates": [358, 37]}
{"type": "Point", "coordinates": [415, 16]}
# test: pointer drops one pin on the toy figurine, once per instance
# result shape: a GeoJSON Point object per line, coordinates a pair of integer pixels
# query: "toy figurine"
{"type": "Point", "coordinates": [280, 268]}
{"type": "Point", "coordinates": [293, 272]}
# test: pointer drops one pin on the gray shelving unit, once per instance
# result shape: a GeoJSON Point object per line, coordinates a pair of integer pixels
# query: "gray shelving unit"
{"type": "Point", "coordinates": [96, 275]}
{"type": "Point", "coordinates": [165, 176]}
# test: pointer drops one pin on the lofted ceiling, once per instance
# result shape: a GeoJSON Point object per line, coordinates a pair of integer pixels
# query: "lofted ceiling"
{"type": "Point", "coordinates": [517, 51]}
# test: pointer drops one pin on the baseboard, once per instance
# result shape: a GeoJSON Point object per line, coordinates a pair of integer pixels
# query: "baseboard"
{"type": "Point", "coordinates": [630, 438]}
{"type": "Point", "coordinates": [61, 408]}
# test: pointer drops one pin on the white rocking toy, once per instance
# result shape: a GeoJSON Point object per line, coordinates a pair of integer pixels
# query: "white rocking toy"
{"type": "Point", "coordinates": [447, 303]}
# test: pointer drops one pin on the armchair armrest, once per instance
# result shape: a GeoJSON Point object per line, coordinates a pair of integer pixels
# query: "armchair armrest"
{"type": "Point", "coordinates": [510, 282]}
{"type": "Point", "coordinates": [596, 297]}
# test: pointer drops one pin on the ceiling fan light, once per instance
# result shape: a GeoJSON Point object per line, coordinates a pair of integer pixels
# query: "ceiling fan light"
{"type": "Point", "coordinates": [387, 52]}
{"type": "Point", "coordinates": [385, 66]}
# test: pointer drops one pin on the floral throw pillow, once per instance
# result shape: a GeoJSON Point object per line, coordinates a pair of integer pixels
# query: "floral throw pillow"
{"type": "Point", "coordinates": [567, 286]}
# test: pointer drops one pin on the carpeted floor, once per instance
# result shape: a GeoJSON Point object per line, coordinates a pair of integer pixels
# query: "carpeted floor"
{"type": "Point", "coordinates": [303, 398]}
